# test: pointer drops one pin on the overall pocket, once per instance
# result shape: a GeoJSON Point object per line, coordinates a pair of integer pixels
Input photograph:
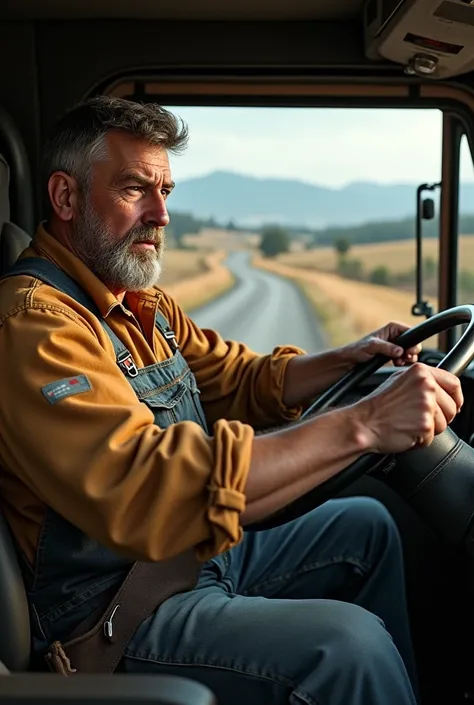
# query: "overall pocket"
{"type": "Point", "coordinates": [166, 405]}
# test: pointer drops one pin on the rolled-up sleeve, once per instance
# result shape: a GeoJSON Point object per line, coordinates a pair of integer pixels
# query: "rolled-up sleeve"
{"type": "Point", "coordinates": [235, 382]}
{"type": "Point", "coordinates": [98, 458]}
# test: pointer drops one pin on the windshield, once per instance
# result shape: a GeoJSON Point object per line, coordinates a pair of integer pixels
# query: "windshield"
{"type": "Point", "coordinates": [312, 212]}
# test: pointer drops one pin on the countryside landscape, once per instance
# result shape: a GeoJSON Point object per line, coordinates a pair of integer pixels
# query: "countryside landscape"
{"type": "Point", "coordinates": [355, 276]}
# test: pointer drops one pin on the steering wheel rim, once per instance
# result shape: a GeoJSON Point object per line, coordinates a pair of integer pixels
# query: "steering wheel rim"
{"type": "Point", "coordinates": [456, 361]}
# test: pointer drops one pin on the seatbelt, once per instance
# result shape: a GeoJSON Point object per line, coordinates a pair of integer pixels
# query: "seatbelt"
{"type": "Point", "coordinates": [51, 274]}
{"type": "Point", "coordinates": [147, 585]}
{"type": "Point", "coordinates": [100, 647]}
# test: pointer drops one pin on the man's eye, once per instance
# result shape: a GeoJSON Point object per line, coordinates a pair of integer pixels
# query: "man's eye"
{"type": "Point", "coordinates": [165, 192]}
{"type": "Point", "coordinates": [135, 189]}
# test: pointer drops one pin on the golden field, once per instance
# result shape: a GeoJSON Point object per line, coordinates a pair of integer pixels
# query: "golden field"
{"type": "Point", "coordinates": [348, 309]}
{"type": "Point", "coordinates": [182, 264]}
{"type": "Point", "coordinates": [219, 238]}
{"type": "Point", "coordinates": [193, 278]}
{"type": "Point", "coordinates": [398, 256]}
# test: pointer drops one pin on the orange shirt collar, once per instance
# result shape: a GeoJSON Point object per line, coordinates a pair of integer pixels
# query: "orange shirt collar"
{"type": "Point", "coordinates": [47, 246]}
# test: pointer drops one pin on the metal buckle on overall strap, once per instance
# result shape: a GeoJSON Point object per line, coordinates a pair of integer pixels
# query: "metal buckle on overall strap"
{"type": "Point", "coordinates": [127, 364]}
{"type": "Point", "coordinates": [171, 338]}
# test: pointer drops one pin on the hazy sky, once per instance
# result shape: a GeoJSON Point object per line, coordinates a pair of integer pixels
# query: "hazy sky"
{"type": "Point", "coordinates": [330, 147]}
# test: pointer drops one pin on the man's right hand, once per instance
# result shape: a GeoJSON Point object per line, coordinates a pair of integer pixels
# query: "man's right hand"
{"type": "Point", "coordinates": [410, 409]}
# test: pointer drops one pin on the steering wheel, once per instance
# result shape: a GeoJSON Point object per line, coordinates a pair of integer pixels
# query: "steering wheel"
{"type": "Point", "coordinates": [438, 480]}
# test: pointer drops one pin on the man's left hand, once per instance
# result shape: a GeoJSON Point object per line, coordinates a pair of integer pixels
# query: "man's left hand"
{"type": "Point", "coordinates": [308, 375]}
{"type": "Point", "coordinates": [380, 342]}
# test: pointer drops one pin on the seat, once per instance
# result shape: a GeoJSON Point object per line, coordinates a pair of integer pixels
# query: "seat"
{"type": "Point", "coordinates": [14, 616]}
{"type": "Point", "coordinates": [13, 240]}
{"type": "Point", "coordinates": [120, 689]}
{"type": "Point", "coordinates": [15, 631]}
{"type": "Point", "coordinates": [16, 686]}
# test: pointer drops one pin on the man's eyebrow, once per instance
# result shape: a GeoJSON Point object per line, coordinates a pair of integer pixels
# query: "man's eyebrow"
{"type": "Point", "coordinates": [143, 180]}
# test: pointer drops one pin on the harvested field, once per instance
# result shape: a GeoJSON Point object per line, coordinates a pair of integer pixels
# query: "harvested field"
{"type": "Point", "coordinates": [221, 239]}
{"type": "Point", "coordinates": [182, 264]}
{"type": "Point", "coordinates": [348, 309]}
{"type": "Point", "coordinates": [398, 256]}
{"type": "Point", "coordinates": [206, 281]}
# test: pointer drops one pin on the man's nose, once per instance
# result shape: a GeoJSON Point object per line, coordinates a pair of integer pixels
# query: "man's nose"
{"type": "Point", "coordinates": [156, 213]}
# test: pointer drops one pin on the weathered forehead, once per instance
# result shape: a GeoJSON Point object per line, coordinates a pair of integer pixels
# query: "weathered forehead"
{"type": "Point", "coordinates": [126, 152]}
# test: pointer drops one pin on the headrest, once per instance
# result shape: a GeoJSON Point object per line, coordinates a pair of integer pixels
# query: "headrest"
{"type": "Point", "coordinates": [13, 240]}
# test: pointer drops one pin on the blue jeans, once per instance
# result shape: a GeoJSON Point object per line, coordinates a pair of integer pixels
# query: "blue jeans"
{"type": "Point", "coordinates": [311, 612]}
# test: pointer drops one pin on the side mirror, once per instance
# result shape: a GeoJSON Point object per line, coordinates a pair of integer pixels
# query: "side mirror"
{"type": "Point", "coordinates": [425, 210]}
{"type": "Point", "coordinates": [428, 209]}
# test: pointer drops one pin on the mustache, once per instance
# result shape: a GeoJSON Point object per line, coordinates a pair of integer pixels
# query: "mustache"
{"type": "Point", "coordinates": [144, 234]}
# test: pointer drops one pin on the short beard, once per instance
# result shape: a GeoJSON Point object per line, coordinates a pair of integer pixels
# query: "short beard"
{"type": "Point", "coordinates": [114, 261]}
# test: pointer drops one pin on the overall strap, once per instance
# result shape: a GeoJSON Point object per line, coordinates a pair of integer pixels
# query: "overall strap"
{"type": "Point", "coordinates": [164, 327]}
{"type": "Point", "coordinates": [51, 274]}
{"type": "Point", "coordinates": [100, 649]}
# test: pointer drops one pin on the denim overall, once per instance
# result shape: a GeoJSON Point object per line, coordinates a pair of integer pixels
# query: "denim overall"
{"type": "Point", "coordinates": [73, 574]}
{"type": "Point", "coordinates": [291, 615]}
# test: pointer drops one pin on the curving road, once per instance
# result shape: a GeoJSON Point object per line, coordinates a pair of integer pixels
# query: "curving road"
{"type": "Point", "coordinates": [263, 310]}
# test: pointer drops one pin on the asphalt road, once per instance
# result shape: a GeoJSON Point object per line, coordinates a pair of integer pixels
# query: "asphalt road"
{"type": "Point", "coordinates": [263, 310]}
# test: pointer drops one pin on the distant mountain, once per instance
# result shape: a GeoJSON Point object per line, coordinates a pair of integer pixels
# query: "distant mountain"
{"type": "Point", "coordinates": [251, 201]}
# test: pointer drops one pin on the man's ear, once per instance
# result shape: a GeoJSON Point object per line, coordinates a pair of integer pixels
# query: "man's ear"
{"type": "Point", "coordinates": [63, 194]}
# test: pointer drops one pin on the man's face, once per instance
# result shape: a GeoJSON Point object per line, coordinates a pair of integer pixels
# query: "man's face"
{"type": "Point", "coordinates": [119, 227]}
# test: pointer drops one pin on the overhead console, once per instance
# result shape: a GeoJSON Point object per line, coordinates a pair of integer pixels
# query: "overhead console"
{"type": "Point", "coordinates": [429, 38]}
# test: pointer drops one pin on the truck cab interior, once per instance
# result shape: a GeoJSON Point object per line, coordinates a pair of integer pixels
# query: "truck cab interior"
{"type": "Point", "coordinates": [380, 54]}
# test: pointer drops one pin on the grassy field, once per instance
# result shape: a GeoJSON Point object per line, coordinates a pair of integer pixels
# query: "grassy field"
{"type": "Point", "coordinates": [398, 256]}
{"type": "Point", "coordinates": [182, 264]}
{"type": "Point", "coordinates": [193, 278]}
{"type": "Point", "coordinates": [218, 238]}
{"type": "Point", "coordinates": [348, 309]}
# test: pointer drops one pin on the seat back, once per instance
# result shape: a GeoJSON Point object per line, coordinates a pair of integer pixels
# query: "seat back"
{"type": "Point", "coordinates": [14, 616]}
{"type": "Point", "coordinates": [13, 240]}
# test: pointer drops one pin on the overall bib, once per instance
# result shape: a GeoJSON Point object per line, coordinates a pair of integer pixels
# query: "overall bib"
{"type": "Point", "coordinates": [312, 612]}
{"type": "Point", "coordinates": [74, 576]}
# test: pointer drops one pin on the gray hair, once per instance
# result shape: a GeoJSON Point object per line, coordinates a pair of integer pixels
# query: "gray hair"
{"type": "Point", "coordinates": [78, 138]}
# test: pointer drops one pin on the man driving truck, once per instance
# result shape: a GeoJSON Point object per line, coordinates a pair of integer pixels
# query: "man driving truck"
{"type": "Point", "coordinates": [127, 433]}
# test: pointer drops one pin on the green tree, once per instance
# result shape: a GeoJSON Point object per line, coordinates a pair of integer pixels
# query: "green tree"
{"type": "Point", "coordinates": [182, 224]}
{"type": "Point", "coordinates": [342, 247]}
{"type": "Point", "coordinates": [430, 267]}
{"type": "Point", "coordinates": [466, 282]}
{"type": "Point", "coordinates": [351, 269]}
{"type": "Point", "coordinates": [275, 240]}
{"type": "Point", "coordinates": [380, 275]}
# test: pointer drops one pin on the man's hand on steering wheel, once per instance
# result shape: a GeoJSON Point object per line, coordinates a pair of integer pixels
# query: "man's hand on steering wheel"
{"type": "Point", "coordinates": [409, 409]}
{"type": "Point", "coordinates": [402, 417]}
{"type": "Point", "coordinates": [379, 342]}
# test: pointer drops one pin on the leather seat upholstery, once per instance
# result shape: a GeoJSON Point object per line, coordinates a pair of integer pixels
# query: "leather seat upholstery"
{"type": "Point", "coordinates": [13, 240]}
{"type": "Point", "coordinates": [14, 618]}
